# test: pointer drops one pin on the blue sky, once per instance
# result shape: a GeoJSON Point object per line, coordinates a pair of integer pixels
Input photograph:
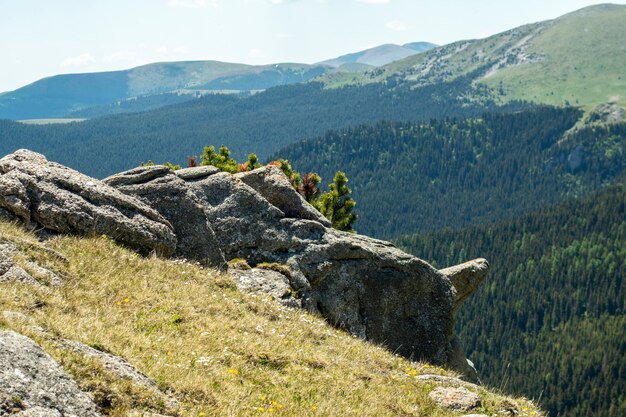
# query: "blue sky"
{"type": "Point", "coordinates": [39, 38]}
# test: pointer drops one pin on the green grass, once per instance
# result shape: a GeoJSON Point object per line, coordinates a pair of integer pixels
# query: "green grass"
{"type": "Point", "coordinates": [585, 61]}
{"type": "Point", "coordinates": [217, 351]}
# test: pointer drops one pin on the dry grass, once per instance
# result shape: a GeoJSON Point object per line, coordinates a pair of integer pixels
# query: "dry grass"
{"type": "Point", "coordinates": [217, 351]}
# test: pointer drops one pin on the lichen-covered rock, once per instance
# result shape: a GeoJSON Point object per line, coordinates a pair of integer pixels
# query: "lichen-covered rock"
{"type": "Point", "coordinates": [364, 285]}
{"type": "Point", "coordinates": [39, 412]}
{"type": "Point", "coordinates": [160, 188]}
{"type": "Point", "coordinates": [44, 194]}
{"type": "Point", "coordinates": [30, 374]}
{"type": "Point", "coordinates": [466, 277]}
{"type": "Point", "coordinates": [457, 399]}
{"type": "Point", "coordinates": [273, 185]}
{"type": "Point", "coordinates": [266, 281]}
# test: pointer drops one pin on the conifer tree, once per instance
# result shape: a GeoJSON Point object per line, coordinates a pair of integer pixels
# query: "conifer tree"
{"type": "Point", "coordinates": [250, 164]}
{"type": "Point", "coordinates": [336, 205]}
{"type": "Point", "coordinates": [221, 160]}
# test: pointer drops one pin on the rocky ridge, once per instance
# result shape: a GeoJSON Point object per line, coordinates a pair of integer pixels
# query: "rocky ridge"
{"type": "Point", "coordinates": [366, 286]}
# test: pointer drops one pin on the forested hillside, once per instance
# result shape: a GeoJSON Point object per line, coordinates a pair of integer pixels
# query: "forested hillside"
{"type": "Point", "coordinates": [550, 321]}
{"type": "Point", "coordinates": [409, 177]}
{"type": "Point", "coordinates": [262, 123]}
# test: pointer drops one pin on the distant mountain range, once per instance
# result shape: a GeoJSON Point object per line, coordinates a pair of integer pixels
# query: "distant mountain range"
{"type": "Point", "coordinates": [154, 85]}
{"type": "Point", "coordinates": [380, 55]}
{"type": "Point", "coordinates": [577, 59]}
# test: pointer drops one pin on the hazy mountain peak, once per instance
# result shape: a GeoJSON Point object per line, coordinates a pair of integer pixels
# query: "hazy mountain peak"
{"type": "Point", "coordinates": [380, 55]}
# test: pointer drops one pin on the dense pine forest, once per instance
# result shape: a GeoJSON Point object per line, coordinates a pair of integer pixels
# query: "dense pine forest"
{"type": "Point", "coordinates": [262, 123]}
{"type": "Point", "coordinates": [409, 177]}
{"type": "Point", "coordinates": [550, 321]}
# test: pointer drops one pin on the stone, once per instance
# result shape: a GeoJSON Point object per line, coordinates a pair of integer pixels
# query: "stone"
{"type": "Point", "coordinates": [43, 194]}
{"type": "Point", "coordinates": [160, 188]}
{"type": "Point", "coordinates": [30, 374]}
{"type": "Point", "coordinates": [466, 277]}
{"type": "Point", "coordinates": [273, 185]}
{"type": "Point", "coordinates": [196, 172]}
{"type": "Point", "coordinates": [457, 399]}
{"type": "Point", "coordinates": [39, 412]}
{"type": "Point", "coordinates": [366, 286]}
{"type": "Point", "coordinates": [448, 380]}
{"type": "Point", "coordinates": [265, 281]}
{"type": "Point", "coordinates": [8, 270]}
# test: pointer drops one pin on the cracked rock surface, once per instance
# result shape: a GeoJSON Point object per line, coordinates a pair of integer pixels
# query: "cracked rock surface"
{"type": "Point", "coordinates": [47, 195]}
{"type": "Point", "coordinates": [40, 384]}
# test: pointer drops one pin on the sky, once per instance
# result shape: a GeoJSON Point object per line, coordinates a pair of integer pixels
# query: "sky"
{"type": "Point", "coordinates": [40, 38]}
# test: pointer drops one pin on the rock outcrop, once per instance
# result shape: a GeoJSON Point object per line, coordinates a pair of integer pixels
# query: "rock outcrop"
{"type": "Point", "coordinates": [366, 286]}
{"type": "Point", "coordinates": [457, 399]}
{"type": "Point", "coordinates": [274, 186]}
{"type": "Point", "coordinates": [266, 281]}
{"type": "Point", "coordinates": [158, 187]}
{"type": "Point", "coordinates": [46, 195]}
{"type": "Point", "coordinates": [36, 383]}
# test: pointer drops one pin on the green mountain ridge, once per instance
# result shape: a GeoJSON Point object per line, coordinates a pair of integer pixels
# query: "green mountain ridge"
{"type": "Point", "coordinates": [578, 58]}
{"type": "Point", "coordinates": [380, 55]}
{"type": "Point", "coordinates": [62, 95]}
{"type": "Point", "coordinates": [261, 123]}
{"type": "Point", "coordinates": [410, 177]}
{"type": "Point", "coordinates": [74, 94]}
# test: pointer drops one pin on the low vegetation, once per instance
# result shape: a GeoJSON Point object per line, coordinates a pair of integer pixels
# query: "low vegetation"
{"type": "Point", "coordinates": [213, 349]}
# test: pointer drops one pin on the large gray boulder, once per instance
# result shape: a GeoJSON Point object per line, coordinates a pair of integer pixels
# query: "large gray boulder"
{"type": "Point", "coordinates": [160, 188]}
{"type": "Point", "coordinates": [43, 194]}
{"type": "Point", "coordinates": [29, 374]}
{"type": "Point", "coordinates": [363, 285]}
{"type": "Point", "coordinates": [273, 185]}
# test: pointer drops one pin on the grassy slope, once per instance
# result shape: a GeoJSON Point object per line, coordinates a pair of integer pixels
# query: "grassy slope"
{"type": "Point", "coordinates": [584, 51]}
{"type": "Point", "coordinates": [217, 351]}
{"type": "Point", "coordinates": [585, 61]}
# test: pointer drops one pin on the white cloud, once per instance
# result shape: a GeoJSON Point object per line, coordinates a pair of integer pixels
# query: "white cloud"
{"type": "Point", "coordinates": [192, 4]}
{"type": "Point", "coordinates": [256, 53]}
{"type": "Point", "coordinates": [396, 25]}
{"type": "Point", "coordinates": [125, 57]}
{"type": "Point", "coordinates": [81, 60]}
{"type": "Point", "coordinates": [374, 1]}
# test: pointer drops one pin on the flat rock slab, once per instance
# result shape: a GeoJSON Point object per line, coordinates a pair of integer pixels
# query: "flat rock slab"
{"type": "Point", "coordinates": [46, 195]}
{"type": "Point", "coordinates": [29, 373]}
{"type": "Point", "coordinates": [458, 399]}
